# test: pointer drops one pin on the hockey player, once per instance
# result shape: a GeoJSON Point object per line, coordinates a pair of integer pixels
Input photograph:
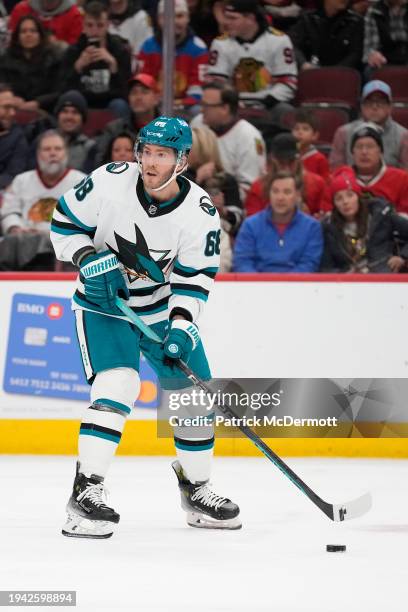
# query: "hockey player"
{"type": "Point", "coordinates": [142, 232]}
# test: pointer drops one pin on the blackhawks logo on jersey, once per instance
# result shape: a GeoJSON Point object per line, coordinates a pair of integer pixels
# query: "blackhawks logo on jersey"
{"type": "Point", "coordinates": [138, 259]}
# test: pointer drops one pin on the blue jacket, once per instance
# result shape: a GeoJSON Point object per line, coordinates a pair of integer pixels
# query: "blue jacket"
{"type": "Point", "coordinates": [260, 248]}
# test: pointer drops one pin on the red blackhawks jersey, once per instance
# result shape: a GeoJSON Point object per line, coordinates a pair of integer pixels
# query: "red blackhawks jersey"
{"type": "Point", "coordinates": [259, 68]}
{"type": "Point", "coordinates": [314, 161]}
{"type": "Point", "coordinates": [390, 183]}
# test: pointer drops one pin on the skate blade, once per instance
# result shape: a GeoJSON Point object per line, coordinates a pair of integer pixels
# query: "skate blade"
{"type": "Point", "coordinates": [202, 521]}
{"type": "Point", "coordinates": [80, 527]}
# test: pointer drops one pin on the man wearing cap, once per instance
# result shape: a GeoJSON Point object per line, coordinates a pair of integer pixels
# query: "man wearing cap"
{"type": "Point", "coordinates": [374, 176]}
{"type": "Point", "coordinates": [143, 100]}
{"type": "Point", "coordinates": [256, 59]}
{"type": "Point", "coordinates": [376, 107]}
{"type": "Point", "coordinates": [283, 155]}
{"type": "Point", "coordinates": [71, 111]}
{"type": "Point", "coordinates": [191, 56]}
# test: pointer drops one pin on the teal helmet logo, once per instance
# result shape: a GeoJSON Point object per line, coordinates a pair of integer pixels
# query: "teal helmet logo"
{"type": "Point", "coordinates": [172, 132]}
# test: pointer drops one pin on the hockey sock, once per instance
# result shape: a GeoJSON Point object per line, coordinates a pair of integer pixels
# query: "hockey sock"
{"type": "Point", "coordinates": [113, 394]}
{"type": "Point", "coordinates": [195, 457]}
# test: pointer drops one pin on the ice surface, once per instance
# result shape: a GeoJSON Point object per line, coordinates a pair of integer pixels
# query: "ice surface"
{"type": "Point", "coordinates": [156, 563]}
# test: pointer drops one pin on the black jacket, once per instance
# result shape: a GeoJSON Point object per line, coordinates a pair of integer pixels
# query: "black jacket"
{"type": "Point", "coordinates": [34, 79]}
{"type": "Point", "coordinates": [396, 52]}
{"type": "Point", "coordinates": [92, 83]}
{"type": "Point", "coordinates": [335, 41]}
{"type": "Point", "coordinates": [385, 229]}
{"type": "Point", "coordinates": [13, 155]}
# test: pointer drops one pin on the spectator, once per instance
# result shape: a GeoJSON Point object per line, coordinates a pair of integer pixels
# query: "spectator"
{"type": "Point", "coordinates": [214, 186]}
{"type": "Point", "coordinates": [376, 179]}
{"type": "Point", "coordinates": [31, 65]}
{"type": "Point", "coordinates": [284, 13]}
{"type": "Point", "coordinates": [204, 163]}
{"type": "Point", "coordinates": [130, 22]}
{"type": "Point", "coordinates": [191, 56]}
{"type": "Point", "coordinates": [257, 60]}
{"type": "Point", "coordinates": [306, 132]}
{"type": "Point", "coordinates": [241, 146]}
{"type": "Point", "coordinates": [359, 236]}
{"type": "Point", "coordinates": [202, 19]}
{"type": "Point", "coordinates": [120, 149]}
{"type": "Point", "coordinates": [386, 33]}
{"type": "Point", "coordinates": [332, 35]}
{"type": "Point", "coordinates": [62, 19]}
{"type": "Point", "coordinates": [143, 99]}
{"type": "Point", "coordinates": [99, 64]}
{"type": "Point", "coordinates": [376, 107]}
{"type": "Point", "coordinates": [13, 144]}
{"type": "Point", "coordinates": [283, 155]}
{"type": "Point", "coordinates": [71, 112]}
{"type": "Point", "coordinates": [29, 202]}
{"type": "Point", "coordinates": [279, 238]}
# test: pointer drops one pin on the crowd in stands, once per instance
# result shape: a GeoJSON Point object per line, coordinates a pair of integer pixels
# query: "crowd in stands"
{"type": "Point", "coordinates": [303, 181]}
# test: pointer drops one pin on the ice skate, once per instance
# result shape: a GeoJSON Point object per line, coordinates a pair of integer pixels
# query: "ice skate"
{"type": "Point", "coordinates": [205, 509]}
{"type": "Point", "coordinates": [88, 516]}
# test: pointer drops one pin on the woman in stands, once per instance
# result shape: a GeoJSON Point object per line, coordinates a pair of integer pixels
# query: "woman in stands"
{"type": "Point", "coordinates": [120, 148]}
{"type": "Point", "coordinates": [30, 65]}
{"type": "Point", "coordinates": [204, 163]}
{"type": "Point", "coordinates": [360, 235]}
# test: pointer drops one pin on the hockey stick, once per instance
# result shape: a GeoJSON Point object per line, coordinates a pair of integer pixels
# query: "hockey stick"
{"type": "Point", "coordinates": [335, 512]}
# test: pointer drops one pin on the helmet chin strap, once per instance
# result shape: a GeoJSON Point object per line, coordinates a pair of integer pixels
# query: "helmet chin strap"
{"type": "Point", "coordinates": [174, 174]}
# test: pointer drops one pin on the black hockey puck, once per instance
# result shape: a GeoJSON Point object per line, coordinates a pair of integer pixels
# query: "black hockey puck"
{"type": "Point", "coordinates": [336, 548]}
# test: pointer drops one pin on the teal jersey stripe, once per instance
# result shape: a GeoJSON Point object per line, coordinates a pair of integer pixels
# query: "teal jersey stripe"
{"type": "Point", "coordinates": [189, 293]}
{"type": "Point", "coordinates": [67, 232]}
{"type": "Point", "coordinates": [118, 405]}
{"type": "Point", "coordinates": [99, 434]}
{"type": "Point", "coordinates": [62, 202]}
{"type": "Point", "coordinates": [194, 270]}
{"type": "Point", "coordinates": [201, 447]}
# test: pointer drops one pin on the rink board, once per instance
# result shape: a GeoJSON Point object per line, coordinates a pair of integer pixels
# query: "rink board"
{"type": "Point", "coordinates": [258, 326]}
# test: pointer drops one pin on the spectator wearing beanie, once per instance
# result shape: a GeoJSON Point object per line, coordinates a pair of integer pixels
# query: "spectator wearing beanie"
{"type": "Point", "coordinates": [360, 235]}
{"type": "Point", "coordinates": [71, 112]}
{"type": "Point", "coordinates": [376, 179]}
{"type": "Point", "coordinates": [376, 107]}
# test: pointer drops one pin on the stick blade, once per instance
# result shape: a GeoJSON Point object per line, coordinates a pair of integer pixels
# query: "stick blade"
{"type": "Point", "coordinates": [352, 509]}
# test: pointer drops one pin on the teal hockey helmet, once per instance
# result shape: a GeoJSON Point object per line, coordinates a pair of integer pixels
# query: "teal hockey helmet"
{"type": "Point", "coordinates": [172, 132]}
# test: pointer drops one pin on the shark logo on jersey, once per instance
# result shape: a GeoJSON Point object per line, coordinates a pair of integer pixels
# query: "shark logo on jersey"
{"type": "Point", "coordinates": [137, 259]}
{"type": "Point", "coordinates": [207, 206]}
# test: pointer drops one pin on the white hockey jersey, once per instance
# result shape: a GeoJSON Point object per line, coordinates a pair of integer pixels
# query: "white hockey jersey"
{"type": "Point", "coordinates": [169, 251]}
{"type": "Point", "coordinates": [258, 68]}
{"type": "Point", "coordinates": [29, 202]}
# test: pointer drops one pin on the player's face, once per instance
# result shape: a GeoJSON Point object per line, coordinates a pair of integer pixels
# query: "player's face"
{"type": "Point", "coordinates": [69, 120]}
{"type": "Point", "coordinates": [376, 108]}
{"type": "Point", "coordinates": [283, 196]}
{"type": "Point", "coordinates": [157, 165]}
{"type": "Point", "coordinates": [142, 99]}
{"type": "Point", "coordinates": [304, 133]}
{"type": "Point", "coordinates": [347, 203]}
{"type": "Point", "coordinates": [238, 24]}
{"type": "Point", "coordinates": [366, 155]}
{"type": "Point", "coordinates": [122, 150]}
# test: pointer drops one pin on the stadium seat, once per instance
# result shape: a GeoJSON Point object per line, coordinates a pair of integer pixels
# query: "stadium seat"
{"type": "Point", "coordinates": [400, 114]}
{"type": "Point", "coordinates": [96, 121]}
{"type": "Point", "coordinates": [329, 119]}
{"type": "Point", "coordinates": [332, 86]}
{"type": "Point", "coordinates": [397, 79]}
